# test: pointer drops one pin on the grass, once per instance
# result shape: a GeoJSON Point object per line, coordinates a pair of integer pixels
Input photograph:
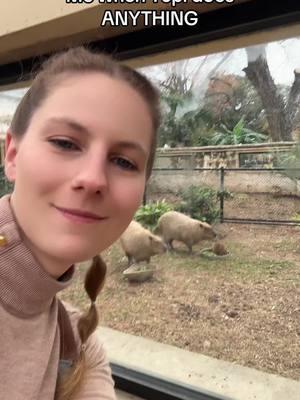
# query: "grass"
{"type": "Point", "coordinates": [243, 308]}
{"type": "Point", "coordinates": [239, 264]}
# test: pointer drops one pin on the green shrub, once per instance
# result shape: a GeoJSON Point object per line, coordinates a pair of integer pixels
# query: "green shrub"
{"type": "Point", "coordinates": [225, 193]}
{"type": "Point", "coordinates": [201, 203]}
{"type": "Point", "coordinates": [5, 185]}
{"type": "Point", "coordinates": [149, 214]}
{"type": "Point", "coordinates": [296, 217]}
{"type": "Point", "coordinates": [290, 162]}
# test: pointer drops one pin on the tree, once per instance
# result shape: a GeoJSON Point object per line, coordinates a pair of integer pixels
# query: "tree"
{"type": "Point", "coordinates": [229, 98]}
{"type": "Point", "coordinates": [185, 122]}
{"type": "Point", "coordinates": [182, 116]}
{"type": "Point", "coordinates": [174, 93]}
{"type": "Point", "coordinates": [190, 116]}
{"type": "Point", "coordinates": [281, 115]}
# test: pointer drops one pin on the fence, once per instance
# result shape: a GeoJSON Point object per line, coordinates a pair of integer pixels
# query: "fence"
{"type": "Point", "coordinates": [271, 196]}
{"type": "Point", "coordinates": [268, 196]}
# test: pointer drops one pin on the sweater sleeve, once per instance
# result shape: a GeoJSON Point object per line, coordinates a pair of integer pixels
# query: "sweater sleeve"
{"type": "Point", "coordinates": [98, 383]}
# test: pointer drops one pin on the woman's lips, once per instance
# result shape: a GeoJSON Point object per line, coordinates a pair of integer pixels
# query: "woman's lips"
{"type": "Point", "coordinates": [80, 215]}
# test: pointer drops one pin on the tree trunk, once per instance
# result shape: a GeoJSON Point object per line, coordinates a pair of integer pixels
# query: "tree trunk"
{"type": "Point", "coordinates": [259, 75]}
{"type": "Point", "coordinates": [293, 102]}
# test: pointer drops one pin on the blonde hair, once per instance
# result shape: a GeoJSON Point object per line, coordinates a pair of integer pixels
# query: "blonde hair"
{"type": "Point", "coordinates": [77, 61]}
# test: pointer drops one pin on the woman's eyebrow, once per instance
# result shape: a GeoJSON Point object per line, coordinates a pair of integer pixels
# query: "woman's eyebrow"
{"type": "Point", "coordinates": [70, 123]}
{"type": "Point", "coordinates": [75, 126]}
{"type": "Point", "coordinates": [132, 146]}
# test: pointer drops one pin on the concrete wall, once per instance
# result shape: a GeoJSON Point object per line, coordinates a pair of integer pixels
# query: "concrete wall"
{"type": "Point", "coordinates": [235, 181]}
{"type": "Point", "coordinates": [262, 155]}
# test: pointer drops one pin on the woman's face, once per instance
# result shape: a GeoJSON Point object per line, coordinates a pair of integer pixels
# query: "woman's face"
{"type": "Point", "coordinates": [86, 149]}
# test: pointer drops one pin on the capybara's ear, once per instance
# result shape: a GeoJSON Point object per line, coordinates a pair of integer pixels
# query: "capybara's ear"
{"type": "Point", "coordinates": [201, 225]}
{"type": "Point", "coordinates": [150, 238]}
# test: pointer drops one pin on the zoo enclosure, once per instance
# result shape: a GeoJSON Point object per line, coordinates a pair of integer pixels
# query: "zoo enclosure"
{"type": "Point", "coordinates": [262, 196]}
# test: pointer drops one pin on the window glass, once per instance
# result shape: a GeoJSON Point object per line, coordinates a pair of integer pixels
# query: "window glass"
{"type": "Point", "coordinates": [228, 155]}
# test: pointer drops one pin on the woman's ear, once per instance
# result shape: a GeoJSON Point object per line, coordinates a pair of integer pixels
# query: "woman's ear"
{"type": "Point", "coordinates": [10, 156]}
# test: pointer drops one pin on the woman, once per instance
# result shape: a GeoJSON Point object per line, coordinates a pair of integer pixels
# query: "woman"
{"type": "Point", "coordinates": [79, 150]}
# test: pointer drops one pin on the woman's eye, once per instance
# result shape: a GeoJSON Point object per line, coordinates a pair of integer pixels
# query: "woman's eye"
{"type": "Point", "coordinates": [64, 144]}
{"type": "Point", "coordinates": [124, 163]}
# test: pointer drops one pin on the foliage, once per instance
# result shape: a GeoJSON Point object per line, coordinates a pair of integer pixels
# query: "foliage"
{"type": "Point", "coordinates": [200, 203]}
{"type": "Point", "coordinates": [5, 185]}
{"type": "Point", "coordinates": [238, 135]}
{"type": "Point", "coordinates": [229, 98]}
{"type": "Point", "coordinates": [225, 194]}
{"type": "Point", "coordinates": [291, 163]}
{"type": "Point", "coordinates": [184, 121]}
{"type": "Point", "coordinates": [296, 217]}
{"type": "Point", "coordinates": [229, 105]}
{"type": "Point", "coordinates": [149, 214]}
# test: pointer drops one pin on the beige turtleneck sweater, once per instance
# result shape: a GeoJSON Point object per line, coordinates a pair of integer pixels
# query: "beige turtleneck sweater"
{"type": "Point", "coordinates": [32, 342]}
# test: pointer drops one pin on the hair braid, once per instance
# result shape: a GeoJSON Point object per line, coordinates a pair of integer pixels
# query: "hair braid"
{"type": "Point", "coordinates": [94, 282]}
{"type": "Point", "coordinates": [88, 322]}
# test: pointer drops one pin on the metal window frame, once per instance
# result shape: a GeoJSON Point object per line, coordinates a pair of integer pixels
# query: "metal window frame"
{"type": "Point", "coordinates": [239, 19]}
{"type": "Point", "coordinates": [151, 386]}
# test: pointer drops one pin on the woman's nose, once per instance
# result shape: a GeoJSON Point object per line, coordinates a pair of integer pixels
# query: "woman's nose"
{"type": "Point", "coordinates": [92, 177]}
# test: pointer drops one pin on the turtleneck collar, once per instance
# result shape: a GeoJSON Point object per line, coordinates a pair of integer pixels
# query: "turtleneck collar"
{"type": "Point", "coordinates": [26, 289]}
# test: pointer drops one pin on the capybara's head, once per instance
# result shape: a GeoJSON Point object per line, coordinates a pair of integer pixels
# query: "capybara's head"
{"type": "Point", "coordinates": [157, 245]}
{"type": "Point", "coordinates": [208, 232]}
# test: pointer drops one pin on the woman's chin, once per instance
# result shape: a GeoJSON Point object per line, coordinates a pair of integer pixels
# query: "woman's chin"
{"type": "Point", "coordinates": [82, 258]}
{"type": "Point", "coordinates": [76, 256]}
{"type": "Point", "coordinates": [74, 251]}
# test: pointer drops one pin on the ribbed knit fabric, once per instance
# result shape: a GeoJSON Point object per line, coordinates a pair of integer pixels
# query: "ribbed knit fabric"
{"type": "Point", "coordinates": [30, 337]}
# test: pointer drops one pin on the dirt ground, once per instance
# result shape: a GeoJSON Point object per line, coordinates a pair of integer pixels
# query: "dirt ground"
{"type": "Point", "coordinates": [262, 207]}
{"type": "Point", "coordinates": [244, 308]}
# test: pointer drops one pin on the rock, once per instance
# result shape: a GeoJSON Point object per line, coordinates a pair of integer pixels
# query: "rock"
{"type": "Point", "coordinates": [139, 272]}
{"type": "Point", "coordinates": [232, 314]}
{"type": "Point", "coordinates": [213, 298]}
